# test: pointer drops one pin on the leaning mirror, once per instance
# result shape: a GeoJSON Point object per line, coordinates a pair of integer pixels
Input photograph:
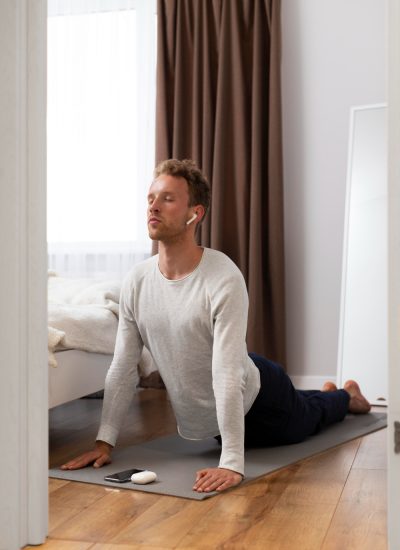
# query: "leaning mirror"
{"type": "Point", "coordinates": [363, 341]}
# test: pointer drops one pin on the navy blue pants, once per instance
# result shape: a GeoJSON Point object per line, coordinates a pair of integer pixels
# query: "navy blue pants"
{"type": "Point", "coordinates": [281, 415]}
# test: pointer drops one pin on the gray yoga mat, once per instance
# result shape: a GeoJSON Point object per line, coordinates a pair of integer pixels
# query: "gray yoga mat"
{"type": "Point", "coordinates": [175, 460]}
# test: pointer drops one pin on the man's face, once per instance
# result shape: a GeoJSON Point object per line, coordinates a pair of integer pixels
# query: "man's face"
{"type": "Point", "coordinates": [168, 208]}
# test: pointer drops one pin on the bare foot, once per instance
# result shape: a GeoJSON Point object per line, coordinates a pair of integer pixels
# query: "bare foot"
{"type": "Point", "coordinates": [358, 404]}
{"type": "Point", "coordinates": [329, 386]}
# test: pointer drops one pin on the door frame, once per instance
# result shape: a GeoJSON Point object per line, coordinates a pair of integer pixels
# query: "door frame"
{"type": "Point", "coordinates": [394, 269]}
{"type": "Point", "coordinates": [23, 275]}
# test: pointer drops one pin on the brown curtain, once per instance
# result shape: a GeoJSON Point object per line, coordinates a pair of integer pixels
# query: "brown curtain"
{"type": "Point", "coordinates": [219, 103]}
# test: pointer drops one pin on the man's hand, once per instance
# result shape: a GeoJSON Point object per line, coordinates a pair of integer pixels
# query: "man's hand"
{"type": "Point", "coordinates": [100, 455]}
{"type": "Point", "coordinates": [216, 479]}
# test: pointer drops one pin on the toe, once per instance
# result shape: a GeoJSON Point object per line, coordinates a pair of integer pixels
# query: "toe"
{"type": "Point", "coordinates": [329, 386]}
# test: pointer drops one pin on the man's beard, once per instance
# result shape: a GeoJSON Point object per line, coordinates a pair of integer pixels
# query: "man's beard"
{"type": "Point", "coordinates": [166, 234]}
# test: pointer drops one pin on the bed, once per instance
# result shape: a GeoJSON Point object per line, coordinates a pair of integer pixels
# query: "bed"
{"type": "Point", "coordinates": [82, 327]}
{"type": "Point", "coordinates": [78, 373]}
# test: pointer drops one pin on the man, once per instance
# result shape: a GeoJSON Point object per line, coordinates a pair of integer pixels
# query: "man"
{"type": "Point", "coordinates": [188, 306]}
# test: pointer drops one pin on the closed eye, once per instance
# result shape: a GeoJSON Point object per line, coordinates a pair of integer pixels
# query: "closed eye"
{"type": "Point", "coordinates": [165, 198]}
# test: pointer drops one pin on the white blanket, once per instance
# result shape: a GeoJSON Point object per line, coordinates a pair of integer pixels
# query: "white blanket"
{"type": "Point", "coordinates": [82, 314]}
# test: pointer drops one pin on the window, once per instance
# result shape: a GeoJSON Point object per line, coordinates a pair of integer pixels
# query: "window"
{"type": "Point", "coordinates": [101, 134]}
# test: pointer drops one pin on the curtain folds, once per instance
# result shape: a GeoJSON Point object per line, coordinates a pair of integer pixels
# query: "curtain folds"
{"type": "Point", "coordinates": [218, 102]}
{"type": "Point", "coordinates": [101, 134]}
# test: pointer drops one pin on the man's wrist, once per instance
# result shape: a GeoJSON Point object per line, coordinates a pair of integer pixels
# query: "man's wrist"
{"type": "Point", "coordinates": [104, 446]}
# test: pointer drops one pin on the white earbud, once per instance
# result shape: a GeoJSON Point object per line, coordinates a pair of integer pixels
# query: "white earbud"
{"type": "Point", "coordinates": [191, 219]}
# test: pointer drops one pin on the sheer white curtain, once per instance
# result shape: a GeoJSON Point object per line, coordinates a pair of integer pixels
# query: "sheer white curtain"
{"type": "Point", "coordinates": [101, 111]}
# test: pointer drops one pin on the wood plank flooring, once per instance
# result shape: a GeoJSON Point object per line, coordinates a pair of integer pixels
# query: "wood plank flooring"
{"type": "Point", "coordinates": [336, 500]}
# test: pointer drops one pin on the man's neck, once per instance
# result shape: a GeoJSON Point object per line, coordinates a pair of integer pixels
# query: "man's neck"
{"type": "Point", "coordinates": [177, 260]}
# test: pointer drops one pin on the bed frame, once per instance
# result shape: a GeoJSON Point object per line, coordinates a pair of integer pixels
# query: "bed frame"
{"type": "Point", "coordinates": [78, 373]}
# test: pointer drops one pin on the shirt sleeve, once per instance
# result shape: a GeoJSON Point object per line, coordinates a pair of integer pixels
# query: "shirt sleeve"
{"type": "Point", "coordinates": [122, 376]}
{"type": "Point", "coordinates": [228, 367]}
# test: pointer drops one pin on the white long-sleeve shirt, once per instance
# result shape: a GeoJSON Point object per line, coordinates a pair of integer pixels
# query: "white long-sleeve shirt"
{"type": "Point", "coordinates": [195, 329]}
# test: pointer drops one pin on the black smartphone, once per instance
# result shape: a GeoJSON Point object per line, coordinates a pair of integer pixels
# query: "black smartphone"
{"type": "Point", "coordinates": [122, 477]}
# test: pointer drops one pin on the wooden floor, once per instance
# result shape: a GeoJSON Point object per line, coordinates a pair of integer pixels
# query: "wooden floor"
{"type": "Point", "coordinates": [336, 500]}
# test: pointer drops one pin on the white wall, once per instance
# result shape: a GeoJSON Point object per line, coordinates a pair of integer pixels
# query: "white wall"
{"type": "Point", "coordinates": [334, 57]}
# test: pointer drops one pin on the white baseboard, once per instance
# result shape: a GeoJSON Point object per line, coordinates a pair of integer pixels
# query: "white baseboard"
{"type": "Point", "coordinates": [311, 382]}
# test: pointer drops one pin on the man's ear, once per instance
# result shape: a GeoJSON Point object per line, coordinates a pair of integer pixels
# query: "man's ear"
{"type": "Point", "coordinates": [200, 211]}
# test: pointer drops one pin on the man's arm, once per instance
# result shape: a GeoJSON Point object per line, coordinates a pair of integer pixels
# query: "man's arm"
{"type": "Point", "coordinates": [229, 362]}
{"type": "Point", "coordinates": [120, 385]}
